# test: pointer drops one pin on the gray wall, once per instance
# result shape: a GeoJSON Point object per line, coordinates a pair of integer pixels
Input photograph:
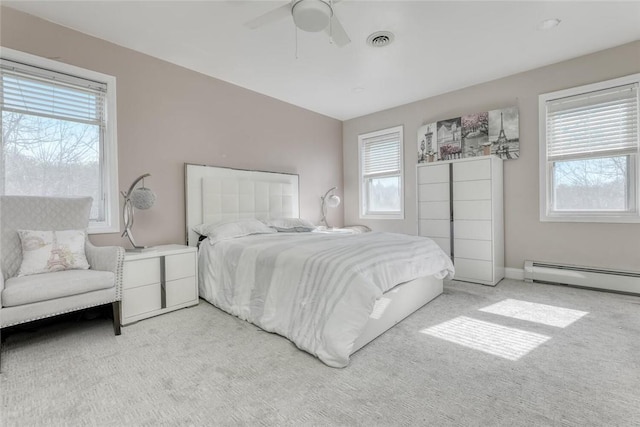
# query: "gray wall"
{"type": "Point", "coordinates": [168, 115]}
{"type": "Point", "coordinates": [591, 244]}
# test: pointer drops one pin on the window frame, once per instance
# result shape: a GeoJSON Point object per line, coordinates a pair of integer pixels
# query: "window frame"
{"type": "Point", "coordinates": [362, 210]}
{"type": "Point", "coordinates": [547, 213]}
{"type": "Point", "coordinates": [109, 154]}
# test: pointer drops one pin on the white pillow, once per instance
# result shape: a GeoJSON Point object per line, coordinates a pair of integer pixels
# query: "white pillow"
{"type": "Point", "coordinates": [291, 225]}
{"type": "Point", "coordinates": [225, 230]}
{"type": "Point", "coordinates": [49, 251]}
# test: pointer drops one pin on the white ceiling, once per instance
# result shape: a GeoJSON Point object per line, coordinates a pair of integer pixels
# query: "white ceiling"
{"type": "Point", "coordinates": [439, 46]}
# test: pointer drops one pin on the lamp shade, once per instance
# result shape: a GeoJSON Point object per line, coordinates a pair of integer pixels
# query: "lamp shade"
{"type": "Point", "coordinates": [138, 198]}
{"type": "Point", "coordinates": [333, 201]}
{"type": "Point", "coordinates": [142, 198]}
{"type": "Point", "coordinates": [329, 200]}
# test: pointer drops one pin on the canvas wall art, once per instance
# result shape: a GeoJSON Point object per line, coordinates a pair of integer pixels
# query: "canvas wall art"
{"type": "Point", "coordinates": [494, 132]}
{"type": "Point", "coordinates": [475, 135]}
{"type": "Point", "coordinates": [427, 143]}
{"type": "Point", "coordinates": [504, 133]}
{"type": "Point", "coordinates": [449, 139]}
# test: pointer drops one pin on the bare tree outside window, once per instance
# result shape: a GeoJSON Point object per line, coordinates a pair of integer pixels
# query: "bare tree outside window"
{"type": "Point", "coordinates": [591, 184]}
{"type": "Point", "coordinates": [44, 156]}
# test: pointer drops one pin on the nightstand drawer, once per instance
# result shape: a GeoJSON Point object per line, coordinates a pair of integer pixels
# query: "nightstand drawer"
{"type": "Point", "coordinates": [141, 272]}
{"type": "Point", "coordinates": [140, 300]}
{"type": "Point", "coordinates": [180, 266]}
{"type": "Point", "coordinates": [181, 291]}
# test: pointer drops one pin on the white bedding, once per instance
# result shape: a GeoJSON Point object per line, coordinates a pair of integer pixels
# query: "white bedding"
{"type": "Point", "coordinates": [316, 289]}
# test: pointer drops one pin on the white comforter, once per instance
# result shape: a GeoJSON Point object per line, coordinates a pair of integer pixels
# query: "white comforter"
{"type": "Point", "coordinates": [318, 290]}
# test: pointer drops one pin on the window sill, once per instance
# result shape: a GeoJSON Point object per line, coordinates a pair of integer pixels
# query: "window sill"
{"type": "Point", "coordinates": [102, 229]}
{"type": "Point", "coordinates": [611, 219]}
{"type": "Point", "coordinates": [379, 216]}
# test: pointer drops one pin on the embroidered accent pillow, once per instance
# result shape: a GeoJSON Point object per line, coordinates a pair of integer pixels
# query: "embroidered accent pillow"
{"type": "Point", "coordinates": [49, 251]}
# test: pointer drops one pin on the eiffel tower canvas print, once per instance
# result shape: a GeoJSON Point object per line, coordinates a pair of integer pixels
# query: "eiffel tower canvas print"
{"type": "Point", "coordinates": [504, 133]}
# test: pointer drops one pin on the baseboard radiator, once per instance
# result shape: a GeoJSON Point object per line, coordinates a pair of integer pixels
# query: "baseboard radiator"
{"type": "Point", "coordinates": [584, 277]}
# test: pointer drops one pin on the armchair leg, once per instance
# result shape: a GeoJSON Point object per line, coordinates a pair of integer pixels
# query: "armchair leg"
{"type": "Point", "coordinates": [116, 317]}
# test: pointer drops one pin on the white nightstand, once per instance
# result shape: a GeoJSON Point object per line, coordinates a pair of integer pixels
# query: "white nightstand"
{"type": "Point", "coordinates": [159, 281]}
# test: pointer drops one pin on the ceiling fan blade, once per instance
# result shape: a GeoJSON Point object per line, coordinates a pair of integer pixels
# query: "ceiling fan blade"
{"type": "Point", "coordinates": [337, 32]}
{"type": "Point", "coordinates": [269, 17]}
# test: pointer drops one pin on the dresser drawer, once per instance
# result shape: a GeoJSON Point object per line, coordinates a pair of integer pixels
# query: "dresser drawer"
{"type": "Point", "coordinates": [475, 209]}
{"type": "Point", "coordinates": [472, 190]}
{"type": "Point", "coordinates": [477, 230]}
{"type": "Point", "coordinates": [181, 291]}
{"type": "Point", "coordinates": [444, 243]}
{"type": "Point", "coordinates": [141, 272]}
{"type": "Point", "coordinates": [433, 174]}
{"type": "Point", "coordinates": [471, 269]}
{"type": "Point", "coordinates": [435, 228]}
{"type": "Point", "coordinates": [180, 265]}
{"type": "Point", "coordinates": [434, 210]}
{"type": "Point", "coordinates": [472, 170]}
{"type": "Point", "coordinates": [433, 192]}
{"type": "Point", "coordinates": [473, 249]}
{"type": "Point", "coordinates": [140, 300]}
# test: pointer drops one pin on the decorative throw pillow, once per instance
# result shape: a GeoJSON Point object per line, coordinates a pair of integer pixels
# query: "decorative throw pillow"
{"type": "Point", "coordinates": [291, 225]}
{"type": "Point", "coordinates": [49, 251]}
{"type": "Point", "coordinates": [230, 229]}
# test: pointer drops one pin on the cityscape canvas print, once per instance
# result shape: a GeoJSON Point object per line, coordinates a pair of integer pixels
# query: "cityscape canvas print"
{"type": "Point", "coordinates": [494, 132]}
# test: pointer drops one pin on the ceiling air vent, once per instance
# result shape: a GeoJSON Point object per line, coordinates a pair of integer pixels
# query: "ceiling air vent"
{"type": "Point", "coordinates": [380, 39]}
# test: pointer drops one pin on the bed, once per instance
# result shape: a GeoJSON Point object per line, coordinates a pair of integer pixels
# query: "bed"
{"type": "Point", "coordinates": [330, 294]}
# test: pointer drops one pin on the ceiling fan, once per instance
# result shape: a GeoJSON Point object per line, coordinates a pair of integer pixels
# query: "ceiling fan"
{"type": "Point", "coordinates": [308, 15]}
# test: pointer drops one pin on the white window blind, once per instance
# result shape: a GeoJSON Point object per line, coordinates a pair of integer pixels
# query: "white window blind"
{"type": "Point", "coordinates": [29, 90]}
{"type": "Point", "coordinates": [382, 154]}
{"type": "Point", "coordinates": [381, 182]}
{"type": "Point", "coordinates": [599, 123]}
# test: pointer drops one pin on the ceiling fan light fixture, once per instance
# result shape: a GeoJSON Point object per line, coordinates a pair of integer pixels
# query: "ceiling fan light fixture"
{"type": "Point", "coordinates": [311, 15]}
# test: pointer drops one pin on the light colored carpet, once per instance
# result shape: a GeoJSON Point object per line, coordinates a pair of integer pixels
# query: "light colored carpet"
{"type": "Point", "coordinates": [200, 366]}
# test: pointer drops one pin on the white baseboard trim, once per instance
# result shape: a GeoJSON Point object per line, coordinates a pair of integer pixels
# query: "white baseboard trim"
{"type": "Point", "coordinates": [514, 273]}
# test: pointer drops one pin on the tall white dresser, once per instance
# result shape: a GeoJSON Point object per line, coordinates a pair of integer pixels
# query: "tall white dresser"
{"type": "Point", "coordinates": [460, 207]}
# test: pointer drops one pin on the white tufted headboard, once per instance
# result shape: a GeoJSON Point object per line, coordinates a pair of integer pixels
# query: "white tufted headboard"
{"type": "Point", "coordinates": [215, 193]}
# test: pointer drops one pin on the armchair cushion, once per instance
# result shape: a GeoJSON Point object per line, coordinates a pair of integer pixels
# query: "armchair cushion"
{"type": "Point", "coordinates": [48, 286]}
{"type": "Point", "coordinates": [50, 251]}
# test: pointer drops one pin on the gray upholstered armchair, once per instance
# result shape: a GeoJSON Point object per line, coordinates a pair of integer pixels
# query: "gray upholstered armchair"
{"type": "Point", "coordinates": [27, 298]}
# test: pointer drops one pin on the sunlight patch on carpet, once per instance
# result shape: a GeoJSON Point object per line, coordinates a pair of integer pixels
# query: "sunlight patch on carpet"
{"type": "Point", "coordinates": [533, 312]}
{"type": "Point", "coordinates": [502, 341]}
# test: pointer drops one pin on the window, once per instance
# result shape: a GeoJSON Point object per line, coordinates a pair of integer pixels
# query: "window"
{"type": "Point", "coordinates": [589, 153]}
{"type": "Point", "coordinates": [381, 189]}
{"type": "Point", "coordinates": [59, 134]}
